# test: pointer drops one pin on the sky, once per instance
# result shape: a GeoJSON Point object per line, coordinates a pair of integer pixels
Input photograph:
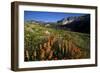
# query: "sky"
{"type": "Point", "coordinates": [47, 16]}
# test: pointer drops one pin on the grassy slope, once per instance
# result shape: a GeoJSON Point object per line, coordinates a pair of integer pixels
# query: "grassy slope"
{"type": "Point", "coordinates": [38, 34]}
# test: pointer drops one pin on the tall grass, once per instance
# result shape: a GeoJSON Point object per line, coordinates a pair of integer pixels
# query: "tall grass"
{"type": "Point", "coordinates": [42, 43]}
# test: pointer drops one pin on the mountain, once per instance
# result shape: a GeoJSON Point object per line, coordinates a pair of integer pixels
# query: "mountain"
{"type": "Point", "coordinates": [77, 24]}
{"type": "Point", "coordinates": [73, 23]}
{"type": "Point", "coordinates": [35, 22]}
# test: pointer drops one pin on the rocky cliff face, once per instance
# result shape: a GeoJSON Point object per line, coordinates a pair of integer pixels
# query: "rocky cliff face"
{"type": "Point", "coordinates": [77, 24]}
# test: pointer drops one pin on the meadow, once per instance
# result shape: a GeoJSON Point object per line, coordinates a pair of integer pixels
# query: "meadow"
{"type": "Point", "coordinates": [43, 43]}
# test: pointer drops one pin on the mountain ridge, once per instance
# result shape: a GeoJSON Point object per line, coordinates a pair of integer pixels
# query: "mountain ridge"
{"type": "Point", "coordinates": [72, 23]}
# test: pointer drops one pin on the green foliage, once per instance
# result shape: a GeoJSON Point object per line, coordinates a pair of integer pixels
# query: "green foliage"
{"type": "Point", "coordinates": [34, 35]}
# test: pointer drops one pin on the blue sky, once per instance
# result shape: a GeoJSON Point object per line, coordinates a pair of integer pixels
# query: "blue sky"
{"type": "Point", "coordinates": [47, 16]}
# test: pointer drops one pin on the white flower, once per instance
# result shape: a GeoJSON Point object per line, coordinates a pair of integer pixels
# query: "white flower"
{"type": "Point", "coordinates": [47, 32]}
